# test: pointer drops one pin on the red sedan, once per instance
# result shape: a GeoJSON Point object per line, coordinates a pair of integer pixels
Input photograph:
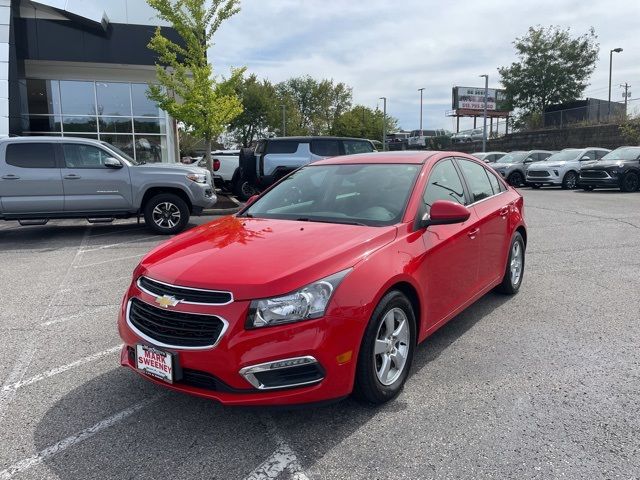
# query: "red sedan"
{"type": "Point", "coordinates": [324, 285]}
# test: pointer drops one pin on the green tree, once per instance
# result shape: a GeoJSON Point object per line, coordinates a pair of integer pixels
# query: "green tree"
{"type": "Point", "coordinates": [187, 88]}
{"type": "Point", "coordinates": [552, 67]}
{"type": "Point", "coordinates": [261, 111]}
{"type": "Point", "coordinates": [363, 122]}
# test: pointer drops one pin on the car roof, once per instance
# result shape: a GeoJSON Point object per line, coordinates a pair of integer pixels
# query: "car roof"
{"type": "Point", "coordinates": [309, 138]}
{"type": "Point", "coordinates": [406, 156]}
{"type": "Point", "coordinates": [49, 139]}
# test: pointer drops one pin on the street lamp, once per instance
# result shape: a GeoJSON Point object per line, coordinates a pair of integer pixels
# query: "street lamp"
{"type": "Point", "coordinates": [486, 97]}
{"type": "Point", "coordinates": [421, 90]}
{"type": "Point", "coordinates": [384, 123]}
{"type": "Point", "coordinates": [284, 119]}
{"type": "Point", "coordinates": [617, 50]}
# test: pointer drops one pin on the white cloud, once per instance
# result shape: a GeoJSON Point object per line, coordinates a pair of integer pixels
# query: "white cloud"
{"type": "Point", "coordinates": [385, 48]}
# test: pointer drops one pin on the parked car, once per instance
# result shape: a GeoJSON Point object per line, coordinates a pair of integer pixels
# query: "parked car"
{"type": "Point", "coordinates": [273, 158]}
{"type": "Point", "coordinates": [397, 141]}
{"type": "Point", "coordinates": [468, 136]}
{"type": "Point", "coordinates": [562, 168]}
{"type": "Point", "coordinates": [489, 157]}
{"type": "Point", "coordinates": [224, 163]}
{"type": "Point", "coordinates": [619, 168]}
{"type": "Point", "coordinates": [324, 284]}
{"type": "Point", "coordinates": [512, 166]}
{"type": "Point", "coordinates": [43, 178]}
{"type": "Point", "coordinates": [419, 139]}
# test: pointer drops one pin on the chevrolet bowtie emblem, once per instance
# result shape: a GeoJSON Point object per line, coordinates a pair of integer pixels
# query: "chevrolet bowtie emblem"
{"type": "Point", "coordinates": [167, 301]}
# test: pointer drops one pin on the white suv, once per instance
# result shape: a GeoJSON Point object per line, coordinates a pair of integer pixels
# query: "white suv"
{"type": "Point", "coordinates": [562, 168]}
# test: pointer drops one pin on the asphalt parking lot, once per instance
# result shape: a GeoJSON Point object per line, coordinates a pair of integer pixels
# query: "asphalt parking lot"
{"type": "Point", "coordinates": [541, 385]}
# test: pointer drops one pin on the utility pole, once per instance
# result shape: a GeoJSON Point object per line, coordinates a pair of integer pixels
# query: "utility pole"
{"type": "Point", "coordinates": [384, 123]}
{"type": "Point", "coordinates": [616, 50]}
{"type": "Point", "coordinates": [626, 95]}
{"type": "Point", "coordinates": [421, 90]}
{"type": "Point", "coordinates": [486, 98]}
{"type": "Point", "coordinates": [284, 120]}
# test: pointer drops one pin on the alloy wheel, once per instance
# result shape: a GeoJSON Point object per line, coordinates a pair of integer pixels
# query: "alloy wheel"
{"type": "Point", "coordinates": [516, 179]}
{"type": "Point", "coordinates": [166, 215]}
{"type": "Point", "coordinates": [516, 263]}
{"type": "Point", "coordinates": [631, 182]}
{"type": "Point", "coordinates": [392, 346]}
{"type": "Point", "coordinates": [571, 180]}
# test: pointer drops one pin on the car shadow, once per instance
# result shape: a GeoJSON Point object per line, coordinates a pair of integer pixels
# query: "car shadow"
{"type": "Point", "coordinates": [180, 436]}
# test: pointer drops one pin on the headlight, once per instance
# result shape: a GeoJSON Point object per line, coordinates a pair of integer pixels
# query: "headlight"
{"type": "Point", "coordinates": [197, 177]}
{"type": "Point", "coordinates": [307, 303]}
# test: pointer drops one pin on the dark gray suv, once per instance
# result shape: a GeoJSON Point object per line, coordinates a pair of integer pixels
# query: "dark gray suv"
{"type": "Point", "coordinates": [43, 178]}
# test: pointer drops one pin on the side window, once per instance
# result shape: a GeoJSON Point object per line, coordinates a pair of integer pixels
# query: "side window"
{"type": "Point", "coordinates": [325, 148]}
{"type": "Point", "coordinates": [591, 154]}
{"type": "Point", "coordinates": [477, 179]}
{"type": "Point", "coordinates": [356, 146]}
{"type": "Point", "coordinates": [543, 156]}
{"type": "Point", "coordinates": [600, 154]}
{"type": "Point", "coordinates": [444, 184]}
{"type": "Point", "coordinates": [261, 147]}
{"type": "Point", "coordinates": [282, 146]}
{"type": "Point", "coordinates": [77, 155]}
{"type": "Point", "coordinates": [31, 155]}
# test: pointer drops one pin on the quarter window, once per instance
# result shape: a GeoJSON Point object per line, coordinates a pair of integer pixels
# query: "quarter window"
{"type": "Point", "coordinates": [444, 184]}
{"type": "Point", "coordinates": [355, 146]}
{"type": "Point", "coordinates": [325, 148]}
{"type": "Point", "coordinates": [477, 180]}
{"type": "Point", "coordinates": [77, 155]}
{"type": "Point", "coordinates": [31, 155]}
{"type": "Point", "coordinates": [282, 146]}
{"type": "Point", "coordinates": [495, 183]}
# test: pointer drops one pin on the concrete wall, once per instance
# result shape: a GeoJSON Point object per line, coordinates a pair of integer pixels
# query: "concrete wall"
{"type": "Point", "coordinates": [607, 136]}
{"type": "Point", "coordinates": [5, 25]}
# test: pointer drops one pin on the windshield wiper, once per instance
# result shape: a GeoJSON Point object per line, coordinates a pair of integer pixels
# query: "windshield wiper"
{"type": "Point", "coordinates": [345, 222]}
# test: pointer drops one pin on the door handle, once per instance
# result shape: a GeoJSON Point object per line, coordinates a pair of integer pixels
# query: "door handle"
{"type": "Point", "coordinates": [10, 176]}
{"type": "Point", "coordinates": [72, 176]}
{"type": "Point", "coordinates": [504, 211]}
{"type": "Point", "coordinates": [472, 233]}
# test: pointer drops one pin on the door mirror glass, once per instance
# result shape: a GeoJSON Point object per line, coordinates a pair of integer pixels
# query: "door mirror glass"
{"type": "Point", "coordinates": [445, 212]}
{"type": "Point", "coordinates": [111, 162]}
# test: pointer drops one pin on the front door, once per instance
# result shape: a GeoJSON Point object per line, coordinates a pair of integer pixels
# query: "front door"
{"type": "Point", "coordinates": [90, 186]}
{"type": "Point", "coordinates": [30, 181]}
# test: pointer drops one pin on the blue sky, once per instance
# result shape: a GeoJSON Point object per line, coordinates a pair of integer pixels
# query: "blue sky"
{"type": "Point", "coordinates": [392, 48]}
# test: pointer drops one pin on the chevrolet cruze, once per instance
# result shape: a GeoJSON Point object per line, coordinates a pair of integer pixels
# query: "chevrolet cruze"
{"type": "Point", "coordinates": [324, 285]}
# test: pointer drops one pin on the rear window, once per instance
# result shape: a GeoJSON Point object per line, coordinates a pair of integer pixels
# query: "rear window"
{"type": "Point", "coordinates": [325, 148]}
{"type": "Point", "coordinates": [31, 155]}
{"type": "Point", "coordinates": [357, 146]}
{"type": "Point", "coordinates": [282, 146]}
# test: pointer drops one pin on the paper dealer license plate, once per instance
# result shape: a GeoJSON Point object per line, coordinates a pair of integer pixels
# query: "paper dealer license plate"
{"type": "Point", "coordinates": [154, 362]}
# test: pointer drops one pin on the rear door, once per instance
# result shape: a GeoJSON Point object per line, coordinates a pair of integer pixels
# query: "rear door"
{"type": "Point", "coordinates": [352, 147]}
{"type": "Point", "coordinates": [492, 212]}
{"type": "Point", "coordinates": [30, 180]}
{"type": "Point", "coordinates": [90, 186]}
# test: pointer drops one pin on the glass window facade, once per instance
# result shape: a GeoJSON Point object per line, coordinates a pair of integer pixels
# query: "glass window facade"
{"type": "Point", "coordinates": [116, 112]}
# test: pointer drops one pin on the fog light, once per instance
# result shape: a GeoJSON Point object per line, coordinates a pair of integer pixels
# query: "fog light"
{"type": "Point", "coordinates": [556, 172]}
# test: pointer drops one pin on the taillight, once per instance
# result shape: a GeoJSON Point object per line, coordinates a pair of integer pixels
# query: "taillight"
{"type": "Point", "coordinates": [216, 164]}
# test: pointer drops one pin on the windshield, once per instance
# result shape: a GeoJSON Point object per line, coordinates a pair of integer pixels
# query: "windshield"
{"type": "Point", "coordinates": [121, 153]}
{"type": "Point", "coordinates": [363, 194]}
{"type": "Point", "coordinates": [564, 156]}
{"type": "Point", "coordinates": [623, 153]}
{"type": "Point", "coordinates": [513, 157]}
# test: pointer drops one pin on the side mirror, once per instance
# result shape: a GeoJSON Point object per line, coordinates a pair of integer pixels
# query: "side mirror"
{"type": "Point", "coordinates": [251, 200]}
{"type": "Point", "coordinates": [445, 212]}
{"type": "Point", "coordinates": [528, 160]}
{"type": "Point", "coordinates": [112, 163]}
{"type": "Point", "coordinates": [586, 157]}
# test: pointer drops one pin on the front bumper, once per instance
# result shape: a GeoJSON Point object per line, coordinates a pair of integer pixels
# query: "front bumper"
{"type": "Point", "coordinates": [203, 196]}
{"type": "Point", "coordinates": [217, 373]}
{"type": "Point", "coordinates": [605, 182]}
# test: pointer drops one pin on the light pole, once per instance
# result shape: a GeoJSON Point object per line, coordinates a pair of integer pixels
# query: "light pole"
{"type": "Point", "coordinates": [384, 123]}
{"type": "Point", "coordinates": [486, 97]}
{"type": "Point", "coordinates": [284, 120]}
{"type": "Point", "coordinates": [421, 90]}
{"type": "Point", "coordinates": [617, 50]}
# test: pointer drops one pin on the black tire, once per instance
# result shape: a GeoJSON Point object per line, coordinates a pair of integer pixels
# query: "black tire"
{"type": "Point", "coordinates": [587, 188]}
{"type": "Point", "coordinates": [509, 285]}
{"type": "Point", "coordinates": [516, 179]}
{"type": "Point", "coordinates": [243, 189]}
{"type": "Point", "coordinates": [570, 181]}
{"type": "Point", "coordinates": [166, 214]}
{"type": "Point", "coordinates": [535, 185]}
{"type": "Point", "coordinates": [630, 182]}
{"type": "Point", "coordinates": [368, 387]}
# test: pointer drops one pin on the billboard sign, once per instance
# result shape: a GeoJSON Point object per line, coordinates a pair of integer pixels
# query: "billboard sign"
{"type": "Point", "coordinates": [472, 98]}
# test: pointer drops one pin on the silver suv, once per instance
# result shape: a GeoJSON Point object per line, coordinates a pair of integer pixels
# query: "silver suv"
{"type": "Point", "coordinates": [563, 168]}
{"type": "Point", "coordinates": [43, 178]}
{"type": "Point", "coordinates": [513, 165]}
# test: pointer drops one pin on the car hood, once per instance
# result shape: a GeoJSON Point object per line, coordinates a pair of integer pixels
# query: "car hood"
{"type": "Point", "coordinates": [169, 168]}
{"type": "Point", "coordinates": [604, 164]}
{"type": "Point", "coordinates": [505, 165]}
{"type": "Point", "coordinates": [552, 164]}
{"type": "Point", "coordinates": [258, 258]}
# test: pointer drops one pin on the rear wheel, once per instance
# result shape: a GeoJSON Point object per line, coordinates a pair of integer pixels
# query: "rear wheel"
{"type": "Point", "coordinates": [387, 350]}
{"type": "Point", "coordinates": [166, 214]}
{"type": "Point", "coordinates": [630, 182]}
{"type": "Point", "coordinates": [570, 181]}
{"type": "Point", "coordinates": [243, 189]}
{"type": "Point", "coordinates": [516, 179]}
{"type": "Point", "coordinates": [515, 267]}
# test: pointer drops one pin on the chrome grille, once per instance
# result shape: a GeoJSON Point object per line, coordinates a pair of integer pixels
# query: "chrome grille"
{"type": "Point", "coordinates": [184, 294]}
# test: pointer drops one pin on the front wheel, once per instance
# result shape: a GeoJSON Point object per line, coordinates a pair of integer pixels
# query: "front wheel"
{"type": "Point", "coordinates": [387, 350]}
{"type": "Point", "coordinates": [570, 181]}
{"type": "Point", "coordinates": [516, 179]}
{"type": "Point", "coordinates": [515, 267]}
{"type": "Point", "coordinates": [630, 182]}
{"type": "Point", "coordinates": [166, 214]}
{"type": "Point", "coordinates": [243, 189]}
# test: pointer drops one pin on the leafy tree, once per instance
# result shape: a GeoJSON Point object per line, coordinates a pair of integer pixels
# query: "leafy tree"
{"type": "Point", "coordinates": [261, 111]}
{"type": "Point", "coordinates": [630, 129]}
{"type": "Point", "coordinates": [364, 122]}
{"type": "Point", "coordinates": [187, 89]}
{"type": "Point", "coordinates": [552, 67]}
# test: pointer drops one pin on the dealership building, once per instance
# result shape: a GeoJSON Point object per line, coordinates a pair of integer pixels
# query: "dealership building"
{"type": "Point", "coordinates": [80, 68]}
